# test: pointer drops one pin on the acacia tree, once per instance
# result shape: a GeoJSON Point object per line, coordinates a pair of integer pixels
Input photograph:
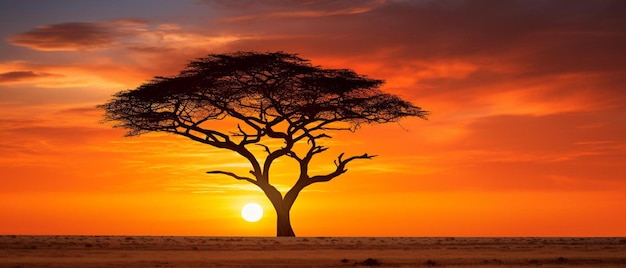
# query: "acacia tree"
{"type": "Point", "coordinates": [272, 96]}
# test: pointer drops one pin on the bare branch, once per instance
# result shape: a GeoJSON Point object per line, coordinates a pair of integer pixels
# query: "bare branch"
{"type": "Point", "coordinates": [246, 137]}
{"type": "Point", "coordinates": [314, 149]}
{"type": "Point", "coordinates": [341, 168]}
{"type": "Point", "coordinates": [273, 156]}
{"type": "Point", "coordinates": [338, 159]}
{"type": "Point", "coordinates": [267, 149]}
{"type": "Point", "coordinates": [232, 175]}
{"type": "Point", "coordinates": [294, 156]}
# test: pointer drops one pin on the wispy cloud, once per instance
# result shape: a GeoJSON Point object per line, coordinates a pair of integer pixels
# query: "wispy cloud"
{"type": "Point", "coordinates": [21, 76]}
{"type": "Point", "coordinates": [201, 188]}
{"type": "Point", "coordinates": [246, 10]}
{"type": "Point", "coordinates": [132, 34]}
{"type": "Point", "coordinates": [76, 35]}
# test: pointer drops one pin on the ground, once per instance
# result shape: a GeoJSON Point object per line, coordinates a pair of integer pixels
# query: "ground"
{"type": "Point", "coordinates": [178, 251]}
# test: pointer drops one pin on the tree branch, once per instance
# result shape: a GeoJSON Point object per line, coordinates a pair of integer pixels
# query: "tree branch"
{"type": "Point", "coordinates": [314, 149]}
{"type": "Point", "coordinates": [232, 175]}
{"type": "Point", "coordinates": [341, 168]}
{"type": "Point", "coordinates": [267, 149]}
{"type": "Point", "coordinates": [273, 156]}
{"type": "Point", "coordinates": [246, 137]}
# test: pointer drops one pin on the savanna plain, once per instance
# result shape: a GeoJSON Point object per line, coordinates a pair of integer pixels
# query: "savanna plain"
{"type": "Point", "coordinates": [181, 251]}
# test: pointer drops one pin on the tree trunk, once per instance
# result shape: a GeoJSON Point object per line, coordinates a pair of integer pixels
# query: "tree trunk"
{"type": "Point", "coordinates": [283, 223]}
{"type": "Point", "coordinates": [282, 208]}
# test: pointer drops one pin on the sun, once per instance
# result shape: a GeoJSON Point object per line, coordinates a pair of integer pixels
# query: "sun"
{"type": "Point", "coordinates": [252, 212]}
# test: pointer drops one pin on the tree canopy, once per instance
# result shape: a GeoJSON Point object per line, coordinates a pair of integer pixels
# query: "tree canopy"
{"type": "Point", "coordinates": [260, 89]}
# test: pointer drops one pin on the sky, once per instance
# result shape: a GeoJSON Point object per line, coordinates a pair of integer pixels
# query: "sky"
{"type": "Point", "coordinates": [526, 136]}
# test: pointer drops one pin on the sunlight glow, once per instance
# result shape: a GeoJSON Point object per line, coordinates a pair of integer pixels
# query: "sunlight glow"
{"type": "Point", "coordinates": [252, 212]}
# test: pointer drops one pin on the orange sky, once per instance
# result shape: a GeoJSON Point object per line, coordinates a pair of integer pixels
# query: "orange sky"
{"type": "Point", "coordinates": [527, 135]}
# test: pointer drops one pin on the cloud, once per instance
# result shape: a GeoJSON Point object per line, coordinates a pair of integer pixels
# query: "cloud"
{"type": "Point", "coordinates": [564, 132]}
{"type": "Point", "coordinates": [131, 34]}
{"type": "Point", "coordinates": [566, 32]}
{"type": "Point", "coordinates": [455, 51]}
{"type": "Point", "coordinates": [91, 112]}
{"type": "Point", "coordinates": [227, 186]}
{"type": "Point", "coordinates": [513, 85]}
{"type": "Point", "coordinates": [72, 36]}
{"type": "Point", "coordinates": [530, 151]}
{"type": "Point", "coordinates": [61, 75]}
{"type": "Point", "coordinates": [20, 76]}
{"type": "Point", "coordinates": [246, 10]}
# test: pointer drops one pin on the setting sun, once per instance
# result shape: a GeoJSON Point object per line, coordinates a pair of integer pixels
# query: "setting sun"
{"type": "Point", "coordinates": [252, 212]}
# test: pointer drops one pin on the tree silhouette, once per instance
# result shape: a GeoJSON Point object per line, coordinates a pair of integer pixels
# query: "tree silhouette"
{"type": "Point", "coordinates": [271, 96]}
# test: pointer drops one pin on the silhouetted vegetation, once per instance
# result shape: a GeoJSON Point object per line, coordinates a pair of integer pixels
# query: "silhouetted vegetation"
{"type": "Point", "coordinates": [265, 97]}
